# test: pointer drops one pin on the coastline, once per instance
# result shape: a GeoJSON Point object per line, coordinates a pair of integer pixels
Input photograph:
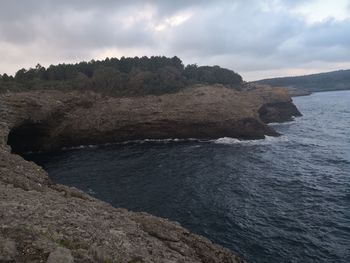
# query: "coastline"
{"type": "Point", "coordinates": [49, 219]}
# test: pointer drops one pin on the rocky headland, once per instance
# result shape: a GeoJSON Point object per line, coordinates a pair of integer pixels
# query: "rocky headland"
{"type": "Point", "coordinates": [42, 221]}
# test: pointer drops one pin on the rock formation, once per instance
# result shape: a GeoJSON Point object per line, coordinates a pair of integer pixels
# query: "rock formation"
{"type": "Point", "coordinates": [46, 222]}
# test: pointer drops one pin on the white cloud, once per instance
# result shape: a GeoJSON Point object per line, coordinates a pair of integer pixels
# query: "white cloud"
{"type": "Point", "coordinates": [253, 37]}
{"type": "Point", "coordinates": [173, 21]}
{"type": "Point", "coordinates": [317, 11]}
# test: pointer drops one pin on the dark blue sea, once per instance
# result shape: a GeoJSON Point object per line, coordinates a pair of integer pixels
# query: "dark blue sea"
{"type": "Point", "coordinates": [284, 199]}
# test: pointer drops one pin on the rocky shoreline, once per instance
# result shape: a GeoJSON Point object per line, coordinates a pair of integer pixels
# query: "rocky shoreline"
{"type": "Point", "coordinates": [46, 222]}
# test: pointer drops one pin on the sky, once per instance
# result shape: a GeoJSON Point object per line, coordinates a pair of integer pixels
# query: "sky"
{"type": "Point", "coordinates": [256, 38]}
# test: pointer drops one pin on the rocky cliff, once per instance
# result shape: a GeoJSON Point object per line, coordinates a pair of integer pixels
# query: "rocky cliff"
{"type": "Point", "coordinates": [45, 222]}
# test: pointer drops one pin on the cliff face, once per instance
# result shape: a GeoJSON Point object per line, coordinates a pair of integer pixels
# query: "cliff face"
{"type": "Point", "coordinates": [52, 120]}
{"type": "Point", "coordinates": [278, 112]}
{"type": "Point", "coordinates": [42, 221]}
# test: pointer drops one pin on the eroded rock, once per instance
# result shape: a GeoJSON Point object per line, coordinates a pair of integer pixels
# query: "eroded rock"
{"type": "Point", "coordinates": [37, 216]}
{"type": "Point", "coordinates": [52, 120]}
{"type": "Point", "coordinates": [8, 250]}
{"type": "Point", "coordinates": [60, 255]}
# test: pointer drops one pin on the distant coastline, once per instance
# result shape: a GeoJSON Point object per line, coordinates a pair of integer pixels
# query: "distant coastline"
{"type": "Point", "coordinates": [328, 81]}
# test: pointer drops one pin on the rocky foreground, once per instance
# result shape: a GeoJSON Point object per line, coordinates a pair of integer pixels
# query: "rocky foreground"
{"type": "Point", "coordinates": [46, 222]}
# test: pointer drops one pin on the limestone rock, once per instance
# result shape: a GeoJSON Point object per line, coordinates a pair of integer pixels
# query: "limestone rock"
{"type": "Point", "coordinates": [52, 120]}
{"type": "Point", "coordinates": [60, 255]}
{"type": "Point", "coordinates": [8, 250]}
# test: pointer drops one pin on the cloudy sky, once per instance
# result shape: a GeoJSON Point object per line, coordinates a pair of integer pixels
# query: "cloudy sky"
{"type": "Point", "coordinates": [257, 38]}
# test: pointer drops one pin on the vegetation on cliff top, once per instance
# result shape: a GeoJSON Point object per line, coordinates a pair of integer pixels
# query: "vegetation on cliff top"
{"type": "Point", "coordinates": [336, 80]}
{"type": "Point", "coordinates": [120, 77]}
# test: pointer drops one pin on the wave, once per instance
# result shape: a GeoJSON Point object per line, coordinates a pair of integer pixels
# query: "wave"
{"type": "Point", "coordinates": [224, 140]}
{"type": "Point", "coordinates": [337, 161]}
{"type": "Point", "coordinates": [266, 141]}
{"type": "Point", "coordinates": [143, 141]}
{"type": "Point", "coordinates": [294, 120]}
{"type": "Point", "coordinates": [169, 140]}
{"type": "Point", "coordinates": [79, 147]}
{"type": "Point", "coordinates": [91, 192]}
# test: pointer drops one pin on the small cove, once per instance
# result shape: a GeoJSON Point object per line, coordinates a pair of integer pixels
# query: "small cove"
{"type": "Point", "coordinates": [284, 199]}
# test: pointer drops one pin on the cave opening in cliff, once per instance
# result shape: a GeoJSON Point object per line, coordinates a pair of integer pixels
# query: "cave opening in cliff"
{"type": "Point", "coordinates": [27, 137]}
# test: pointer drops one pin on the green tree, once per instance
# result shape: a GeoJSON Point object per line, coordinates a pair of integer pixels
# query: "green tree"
{"type": "Point", "coordinates": [6, 77]}
{"type": "Point", "coordinates": [108, 80]}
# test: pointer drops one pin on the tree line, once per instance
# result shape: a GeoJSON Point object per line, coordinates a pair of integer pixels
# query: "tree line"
{"type": "Point", "coordinates": [121, 77]}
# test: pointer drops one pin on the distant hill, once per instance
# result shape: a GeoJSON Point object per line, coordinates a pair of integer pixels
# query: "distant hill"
{"type": "Point", "coordinates": [335, 80]}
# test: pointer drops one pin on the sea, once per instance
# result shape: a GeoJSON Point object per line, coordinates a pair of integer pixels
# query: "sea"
{"type": "Point", "coordinates": [280, 199]}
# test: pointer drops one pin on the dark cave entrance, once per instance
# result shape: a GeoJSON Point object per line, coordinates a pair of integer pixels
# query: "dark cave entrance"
{"type": "Point", "coordinates": [28, 137]}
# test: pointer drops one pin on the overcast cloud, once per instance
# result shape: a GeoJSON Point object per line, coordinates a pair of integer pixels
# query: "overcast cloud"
{"type": "Point", "coordinates": [257, 38]}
